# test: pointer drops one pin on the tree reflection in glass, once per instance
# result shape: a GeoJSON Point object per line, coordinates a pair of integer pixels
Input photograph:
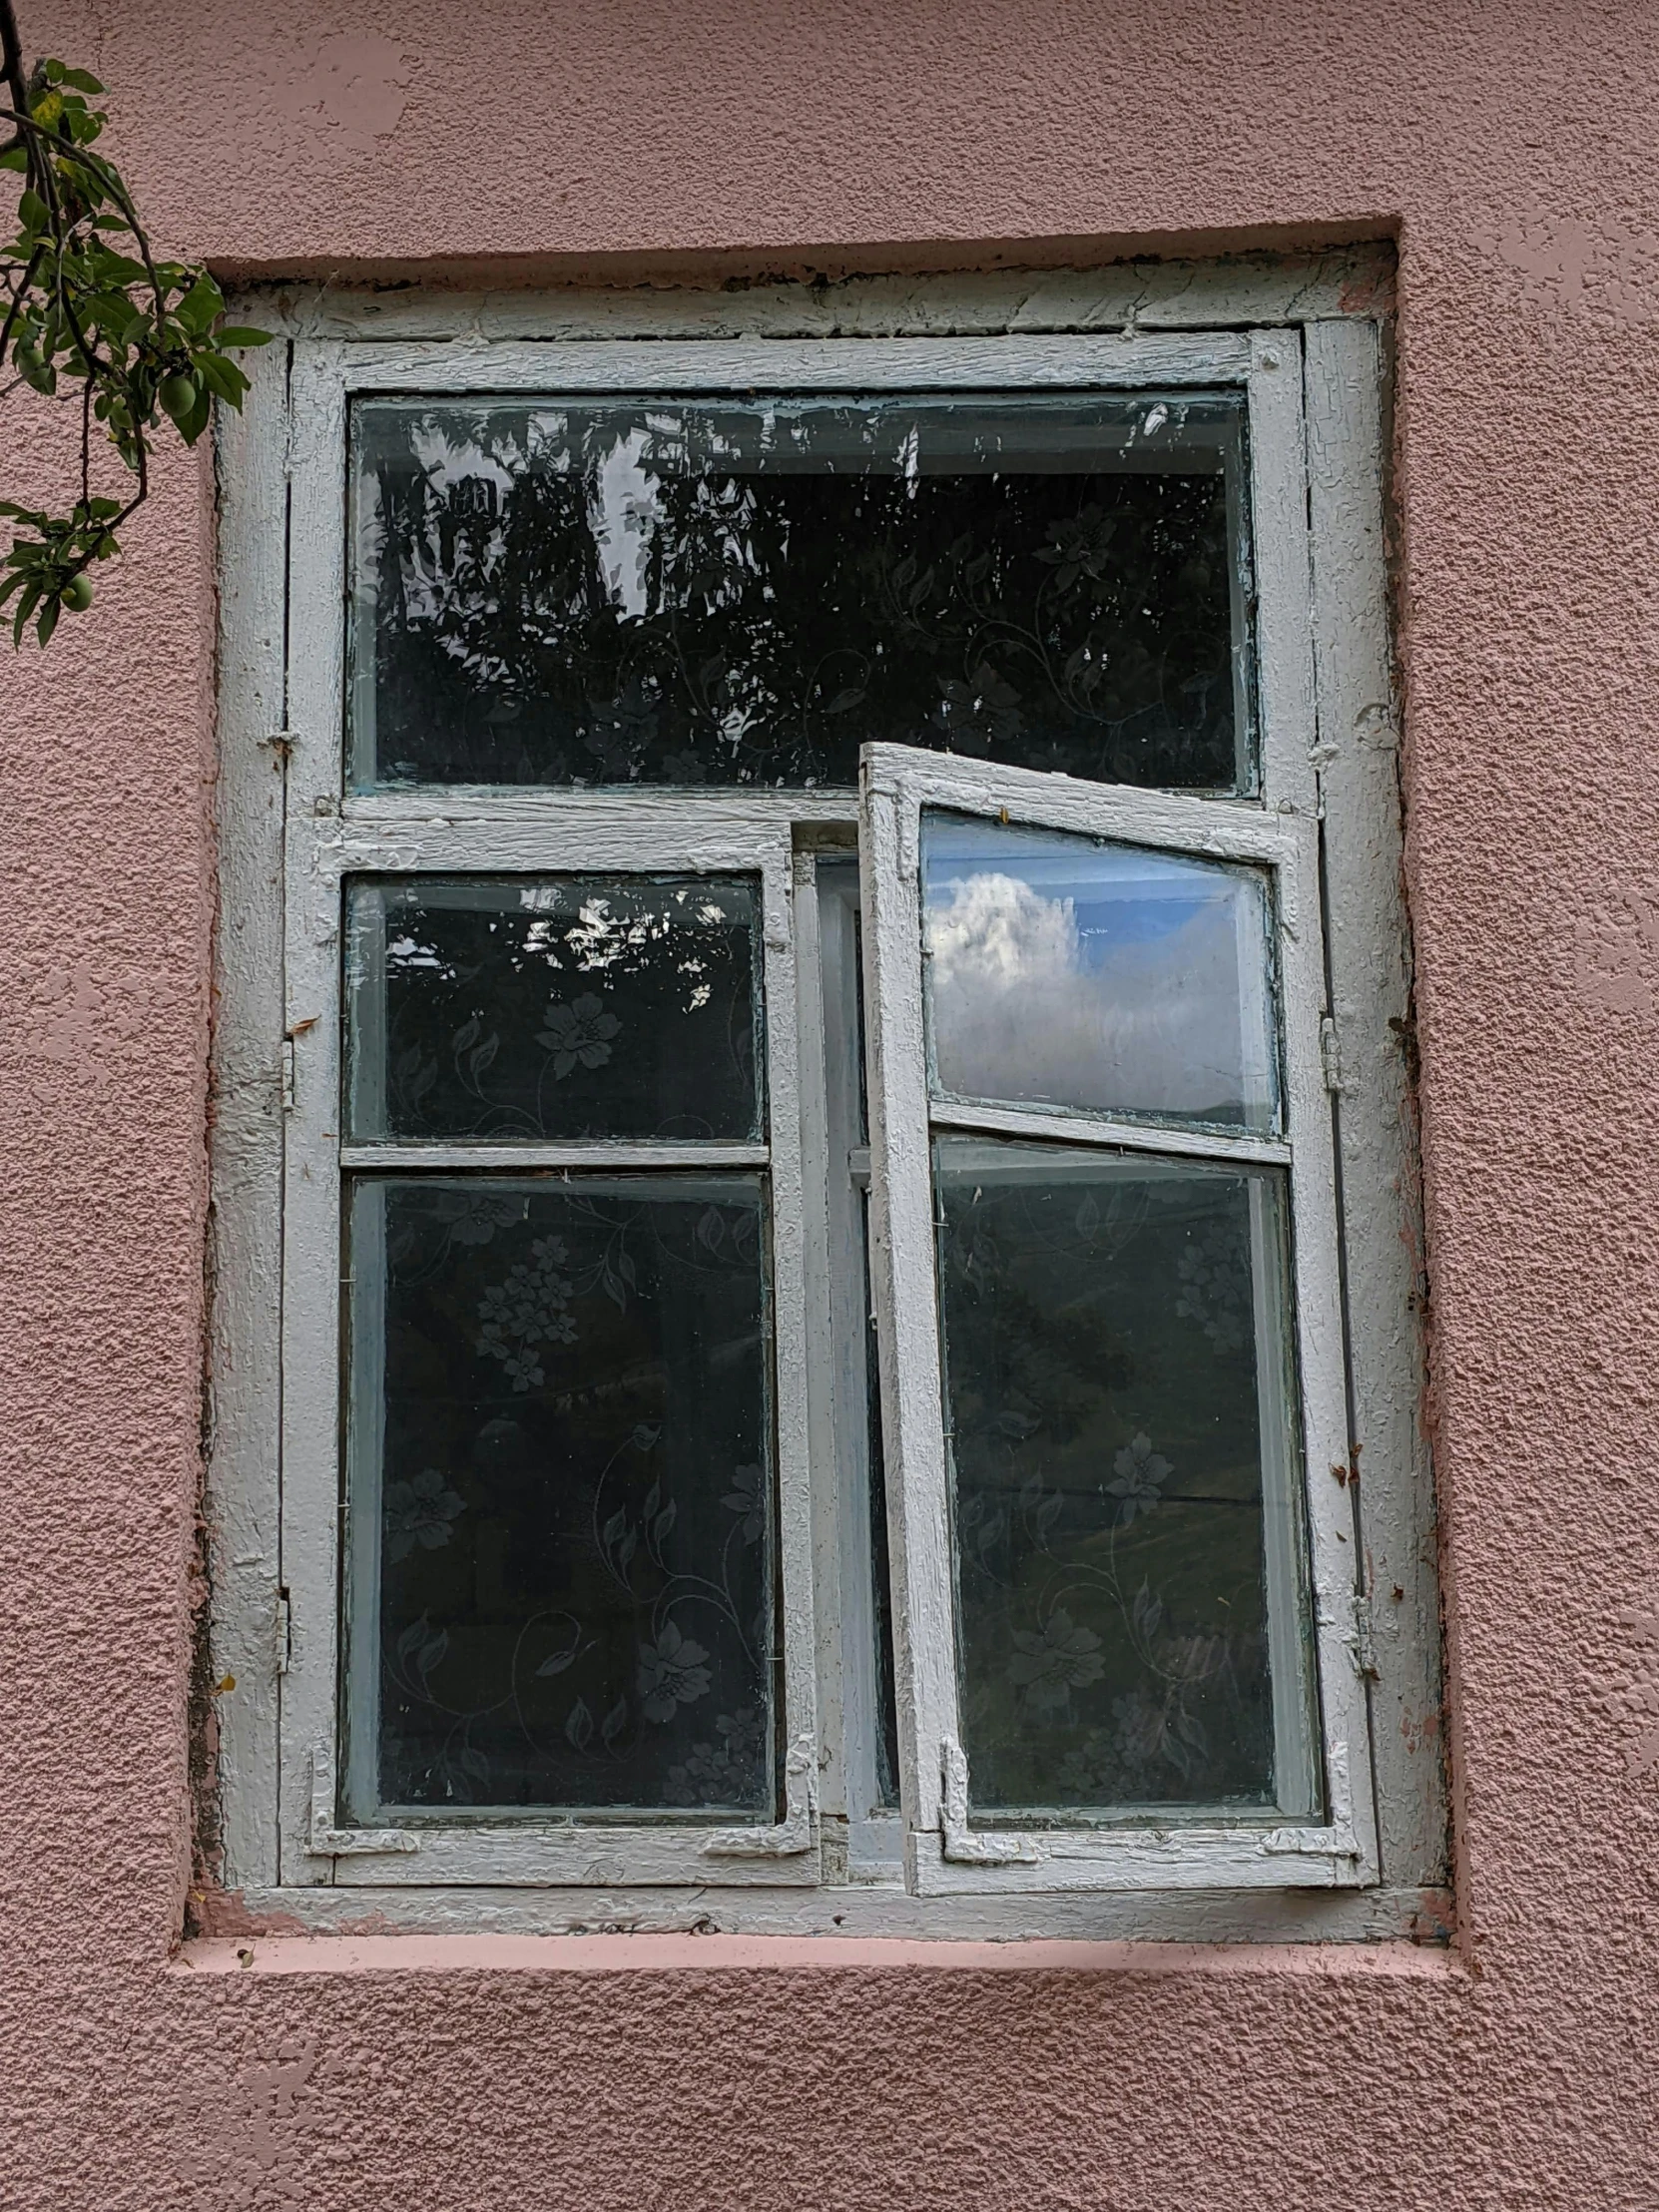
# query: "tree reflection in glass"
{"type": "Point", "coordinates": [684, 592]}
{"type": "Point", "coordinates": [567, 1006]}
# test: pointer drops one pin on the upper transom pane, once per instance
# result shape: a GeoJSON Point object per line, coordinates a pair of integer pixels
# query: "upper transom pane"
{"type": "Point", "coordinates": [1066, 971]}
{"type": "Point", "coordinates": [681, 592]}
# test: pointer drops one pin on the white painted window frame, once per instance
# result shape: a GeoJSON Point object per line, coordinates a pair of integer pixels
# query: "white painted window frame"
{"type": "Point", "coordinates": [287, 452]}
{"type": "Point", "coordinates": [585, 832]}
{"type": "Point", "coordinates": [945, 1852]}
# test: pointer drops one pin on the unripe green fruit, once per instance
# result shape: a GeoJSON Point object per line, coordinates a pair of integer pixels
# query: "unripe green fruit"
{"type": "Point", "coordinates": [77, 595]}
{"type": "Point", "coordinates": [177, 395]}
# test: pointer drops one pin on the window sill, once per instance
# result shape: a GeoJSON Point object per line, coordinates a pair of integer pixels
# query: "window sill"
{"type": "Point", "coordinates": [669, 1954]}
{"type": "Point", "coordinates": [826, 1926]}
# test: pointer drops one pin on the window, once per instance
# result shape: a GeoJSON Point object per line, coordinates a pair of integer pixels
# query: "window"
{"type": "Point", "coordinates": [813, 1347]}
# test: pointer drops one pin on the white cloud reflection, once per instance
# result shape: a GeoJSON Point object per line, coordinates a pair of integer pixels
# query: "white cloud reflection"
{"type": "Point", "coordinates": [1116, 980]}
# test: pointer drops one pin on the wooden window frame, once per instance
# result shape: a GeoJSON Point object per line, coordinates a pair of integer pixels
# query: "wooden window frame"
{"type": "Point", "coordinates": [290, 831]}
{"type": "Point", "coordinates": [945, 1852]}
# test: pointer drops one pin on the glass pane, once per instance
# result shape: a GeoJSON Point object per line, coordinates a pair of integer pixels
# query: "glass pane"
{"type": "Point", "coordinates": [554, 1006]}
{"type": "Point", "coordinates": [1121, 1471]}
{"type": "Point", "coordinates": [693, 592]}
{"type": "Point", "coordinates": [1065, 971]}
{"type": "Point", "coordinates": [561, 1497]}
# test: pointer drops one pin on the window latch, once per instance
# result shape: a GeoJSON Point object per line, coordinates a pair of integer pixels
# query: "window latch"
{"type": "Point", "coordinates": [962, 1844]}
{"type": "Point", "coordinates": [793, 1834]}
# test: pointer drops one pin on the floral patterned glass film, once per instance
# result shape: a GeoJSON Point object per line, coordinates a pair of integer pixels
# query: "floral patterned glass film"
{"type": "Point", "coordinates": [699, 592]}
{"type": "Point", "coordinates": [560, 1509]}
{"type": "Point", "coordinates": [554, 1006]}
{"type": "Point", "coordinates": [1064, 972]}
{"type": "Point", "coordinates": [1112, 1421]}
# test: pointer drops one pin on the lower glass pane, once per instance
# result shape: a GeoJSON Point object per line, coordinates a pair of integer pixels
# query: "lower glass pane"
{"type": "Point", "coordinates": [560, 1498]}
{"type": "Point", "coordinates": [1132, 1616]}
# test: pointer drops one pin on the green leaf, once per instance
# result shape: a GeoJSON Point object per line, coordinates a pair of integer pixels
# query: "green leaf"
{"type": "Point", "coordinates": [199, 304]}
{"type": "Point", "coordinates": [237, 335]}
{"type": "Point", "coordinates": [16, 159]}
{"type": "Point", "coordinates": [48, 620]}
{"type": "Point", "coordinates": [191, 425]}
{"type": "Point", "coordinates": [31, 211]}
{"type": "Point", "coordinates": [114, 309]}
{"type": "Point", "coordinates": [221, 377]}
{"type": "Point", "coordinates": [82, 80]}
{"type": "Point", "coordinates": [113, 267]}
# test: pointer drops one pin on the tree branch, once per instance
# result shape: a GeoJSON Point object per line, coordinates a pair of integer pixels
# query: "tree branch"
{"type": "Point", "coordinates": [11, 60]}
{"type": "Point", "coordinates": [146, 341]}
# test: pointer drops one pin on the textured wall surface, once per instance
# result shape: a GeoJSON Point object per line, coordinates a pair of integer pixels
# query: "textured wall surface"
{"type": "Point", "coordinates": [1512, 150]}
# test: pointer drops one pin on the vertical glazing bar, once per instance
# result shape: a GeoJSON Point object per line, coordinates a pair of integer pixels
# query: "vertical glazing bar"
{"type": "Point", "coordinates": [366, 1291]}
{"type": "Point", "coordinates": [1282, 1520]}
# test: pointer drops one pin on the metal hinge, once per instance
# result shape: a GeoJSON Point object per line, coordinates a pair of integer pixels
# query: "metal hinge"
{"type": "Point", "coordinates": [284, 1632]}
{"type": "Point", "coordinates": [326, 1841]}
{"type": "Point", "coordinates": [793, 1834]}
{"type": "Point", "coordinates": [288, 1076]}
{"type": "Point", "coordinates": [961, 1844]}
{"type": "Point", "coordinates": [1330, 1054]}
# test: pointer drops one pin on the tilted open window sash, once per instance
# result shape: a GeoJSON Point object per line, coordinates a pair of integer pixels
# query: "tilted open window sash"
{"type": "Point", "coordinates": [477, 1219]}
{"type": "Point", "coordinates": [1107, 1289]}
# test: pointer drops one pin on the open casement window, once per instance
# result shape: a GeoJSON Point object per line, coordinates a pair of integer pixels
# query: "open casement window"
{"type": "Point", "coordinates": [1107, 1292]}
{"type": "Point", "coordinates": [811, 1351]}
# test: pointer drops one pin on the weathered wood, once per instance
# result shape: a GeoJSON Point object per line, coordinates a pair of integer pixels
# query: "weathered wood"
{"type": "Point", "coordinates": [1124, 360]}
{"type": "Point", "coordinates": [1243, 1916]}
{"type": "Point", "coordinates": [246, 1221]}
{"type": "Point", "coordinates": [1391, 1491]}
{"type": "Point", "coordinates": [1130, 294]}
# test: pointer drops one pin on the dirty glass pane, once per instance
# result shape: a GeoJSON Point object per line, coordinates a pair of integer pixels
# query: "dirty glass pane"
{"type": "Point", "coordinates": [571, 1006]}
{"type": "Point", "coordinates": [1066, 971]}
{"type": "Point", "coordinates": [1105, 1407]}
{"type": "Point", "coordinates": [709, 592]}
{"type": "Point", "coordinates": [561, 1497]}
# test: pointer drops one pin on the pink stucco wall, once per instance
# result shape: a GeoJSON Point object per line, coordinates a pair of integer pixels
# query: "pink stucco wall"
{"type": "Point", "coordinates": [1512, 148]}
